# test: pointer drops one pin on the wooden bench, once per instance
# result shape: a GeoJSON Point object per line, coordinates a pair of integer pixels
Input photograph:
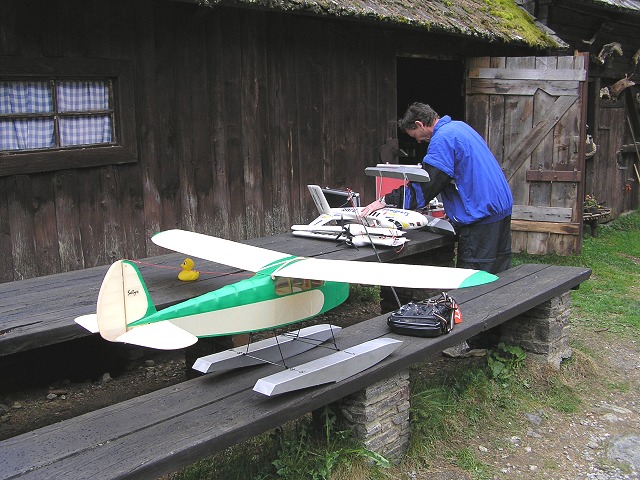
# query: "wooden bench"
{"type": "Point", "coordinates": [166, 430]}
{"type": "Point", "coordinates": [38, 312]}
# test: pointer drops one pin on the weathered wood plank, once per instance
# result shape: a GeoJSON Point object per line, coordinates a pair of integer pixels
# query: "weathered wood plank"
{"type": "Point", "coordinates": [518, 87]}
{"type": "Point", "coordinates": [545, 227]}
{"type": "Point", "coordinates": [569, 136]}
{"type": "Point", "coordinates": [553, 175]}
{"type": "Point", "coordinates": [6, 244]}
{"type": "Point", "coordinates": [541, 214]}
{"type": "Point", "coordinates": [528, 74]}
{"type": "Point", "coordinates": [541, 157]}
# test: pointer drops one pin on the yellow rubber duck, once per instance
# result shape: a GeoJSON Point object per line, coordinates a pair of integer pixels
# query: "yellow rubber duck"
{"type": "Point", "coordinates": [188, 274]}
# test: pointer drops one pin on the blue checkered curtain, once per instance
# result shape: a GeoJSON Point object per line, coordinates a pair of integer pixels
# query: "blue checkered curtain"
{"type": "Point", "coordinates": [82, 96]}
{"type": "Point", "coordinates": [72, 97]}
{"type": "Point", "coordinates": [25, 97]}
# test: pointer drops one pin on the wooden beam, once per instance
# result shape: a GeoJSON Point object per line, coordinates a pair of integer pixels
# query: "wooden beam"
{"type": "Point", "coordinates": [528, 74]}
{"type": "Point", "coordinates": [545, 227]}
{"type": "Point", "coordinates": [542, 214]}
{"type": "Point", "coordinates": [554, 176]}
{"type": "Point", "coordinates": [486, 86]}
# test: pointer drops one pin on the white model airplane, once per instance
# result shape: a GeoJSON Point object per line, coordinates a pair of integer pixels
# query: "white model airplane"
{"type": "Point", "coordinates": [383, 226]}
{"type": "Point", "coordinates": [285, 289]}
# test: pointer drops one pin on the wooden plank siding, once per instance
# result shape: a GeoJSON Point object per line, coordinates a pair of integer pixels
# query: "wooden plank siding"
{"type": "Point", "coordinates": [588, 27]}
{"type": "Point", "coordinates": [236, 112]}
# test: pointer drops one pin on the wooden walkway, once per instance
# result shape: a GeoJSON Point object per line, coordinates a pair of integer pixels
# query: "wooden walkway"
{"type": "Point", "coordinates": [41, 311]}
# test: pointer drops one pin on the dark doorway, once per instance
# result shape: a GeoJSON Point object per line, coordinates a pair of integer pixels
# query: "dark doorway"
{"type": "Point", "coordinates": [434, 81]}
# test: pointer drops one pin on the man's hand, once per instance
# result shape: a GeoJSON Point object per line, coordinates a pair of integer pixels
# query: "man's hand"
{"type": "Point", "coordinates": [372, 207]}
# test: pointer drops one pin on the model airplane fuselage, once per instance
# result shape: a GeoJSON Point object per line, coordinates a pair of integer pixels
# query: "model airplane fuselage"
{"type": "Point", "coordinates": [258, 303]}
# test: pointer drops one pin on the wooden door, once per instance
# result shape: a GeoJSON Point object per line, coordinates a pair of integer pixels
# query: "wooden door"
{"type": "Point", "coordinates": [532, 113]}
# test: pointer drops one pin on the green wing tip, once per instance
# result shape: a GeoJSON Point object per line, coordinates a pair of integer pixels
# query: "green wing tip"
{"type": "Point", "coordinates": [479, 278]}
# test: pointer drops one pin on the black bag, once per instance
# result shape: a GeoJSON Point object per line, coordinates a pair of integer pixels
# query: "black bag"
{"type": "Point", "coordinates": [430, 318]}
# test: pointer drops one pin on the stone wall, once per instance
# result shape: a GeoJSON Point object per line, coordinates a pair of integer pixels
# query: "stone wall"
{"type": "Point", "coordinates": [378, 416]}
{"type": "Point", "coordinates": [543, 331]}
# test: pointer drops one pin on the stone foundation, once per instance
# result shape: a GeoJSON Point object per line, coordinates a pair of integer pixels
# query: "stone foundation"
{"type": "Point", "coordinates": [543, 331]}
{"type": "Point", "coordinates": [378, 416]}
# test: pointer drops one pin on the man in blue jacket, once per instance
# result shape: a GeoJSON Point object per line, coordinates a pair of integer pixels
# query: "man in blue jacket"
{"type": "Point", "coordinates": [471, 184]}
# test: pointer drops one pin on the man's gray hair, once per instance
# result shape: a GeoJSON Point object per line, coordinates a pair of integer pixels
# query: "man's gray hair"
{"type": "Point", "coordinates": [417, 112]}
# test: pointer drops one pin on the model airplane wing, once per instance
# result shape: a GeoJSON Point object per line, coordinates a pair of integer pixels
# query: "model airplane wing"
{"type": "Point", "coordinates": [370, 273]}
{"type": "Point", "coordinates": [217, 249]}
{"type": "Point", "coordinates": [386, 274]}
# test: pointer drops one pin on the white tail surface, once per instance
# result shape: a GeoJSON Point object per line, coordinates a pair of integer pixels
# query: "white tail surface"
{"type": "Point", "coordinates": [123, 299]}
{"type": "Point", "coordinates": [319, 199]}
{"type": "Point", "coordinates": [90, 322]}
{"type": "Point", "coordinates": [161, 335]}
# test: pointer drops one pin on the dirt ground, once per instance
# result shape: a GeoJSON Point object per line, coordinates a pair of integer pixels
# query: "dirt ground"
{"type": "Point", "coordinates": [546, 445]}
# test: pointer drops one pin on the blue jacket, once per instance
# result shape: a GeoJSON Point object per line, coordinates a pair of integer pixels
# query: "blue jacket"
{"type": "Point", "coordinates": [479, 192]}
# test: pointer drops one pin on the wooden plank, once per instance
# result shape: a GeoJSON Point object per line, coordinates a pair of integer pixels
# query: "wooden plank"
{"type": "Point", "coordinates": [309, 90]}
{"type": "Point", "coordinates": [541, 157]}
{"type": "Point", "coordinates": [527, 74]}
{"type": "Point", "coordinates": [22, 228]}
{"type": "Point", "coordinates": [160, 432]}
{"type": "Point", "coordinates": [554, 176]}
{"type": "Point", "coordinates": [45, 228]}
{"type": "Point", "coordinates": [476, 106]}
{"type": "Point", "coordinates": [497, 105]}
{"type": "Point", "coordinates": [518, 125]}
{"type": "Point", "coordinates": [541, 214]}
{"type": "Point", "coordinates": [7, 266]}
{"type": "Point", "coordinates": [545, 227]}
{"type": "Point", "coordinates": [518, 87]}
{"type": "Point", "coordinates": [281, 78]}
{"type": "Point", "coordinates": [569, 137]}
{"type": "Point", "coordinates": [168, 141]}
{"type": "Point", "coordinates": [233, 162]}
{"type": "Point", "coordinates": [252, 108]}
{"type": "Point", "coordinates": [68, 225]}
{"type": "Point", "coordinates": [148, 138]}
{"type": "Point", "coordinates": [215, 50]}
{"type": "Point", "coordinates": [188, 78]}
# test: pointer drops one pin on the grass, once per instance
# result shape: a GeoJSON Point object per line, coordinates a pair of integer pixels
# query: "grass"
{"type": "Point", "coordinates": [610, 299]}
{"type": "Point", "coordinates": [452, 407]}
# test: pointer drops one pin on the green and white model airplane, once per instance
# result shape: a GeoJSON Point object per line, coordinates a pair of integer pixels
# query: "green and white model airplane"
{"type": "Point", "coordinates": [284, 290]}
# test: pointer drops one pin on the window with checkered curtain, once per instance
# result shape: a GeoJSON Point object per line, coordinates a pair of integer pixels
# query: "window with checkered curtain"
{"type": "Point", "coordinates": [49, 114]}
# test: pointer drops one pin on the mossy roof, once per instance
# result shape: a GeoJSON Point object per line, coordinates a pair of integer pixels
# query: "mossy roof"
{"type": "Point", "coordinates": [488, 20]}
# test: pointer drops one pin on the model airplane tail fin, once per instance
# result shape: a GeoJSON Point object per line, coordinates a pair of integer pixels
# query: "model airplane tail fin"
{"type": "Point", "coordinates": [319, 199]}
{"type": "Point", "coordinates": [122, 300]}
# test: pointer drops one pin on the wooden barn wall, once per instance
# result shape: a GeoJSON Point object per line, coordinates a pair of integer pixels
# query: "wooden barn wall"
{"type": "Point", "coordinates": [609, 174]}
{"type": "Point", "coordinates": [236, 111]}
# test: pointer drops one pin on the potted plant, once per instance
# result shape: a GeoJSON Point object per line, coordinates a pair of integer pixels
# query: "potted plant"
{"type": "Point", "coordinates": [590, 204]}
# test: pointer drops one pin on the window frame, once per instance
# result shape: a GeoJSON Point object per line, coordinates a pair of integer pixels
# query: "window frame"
{"type": "Point", "coordinates": [16, 162]}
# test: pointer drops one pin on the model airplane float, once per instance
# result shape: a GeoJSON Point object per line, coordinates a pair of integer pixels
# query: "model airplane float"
{"type": "Point", "coordinates": [284, 290]}
{"type": "Point", "coordinates": [382, 227]}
